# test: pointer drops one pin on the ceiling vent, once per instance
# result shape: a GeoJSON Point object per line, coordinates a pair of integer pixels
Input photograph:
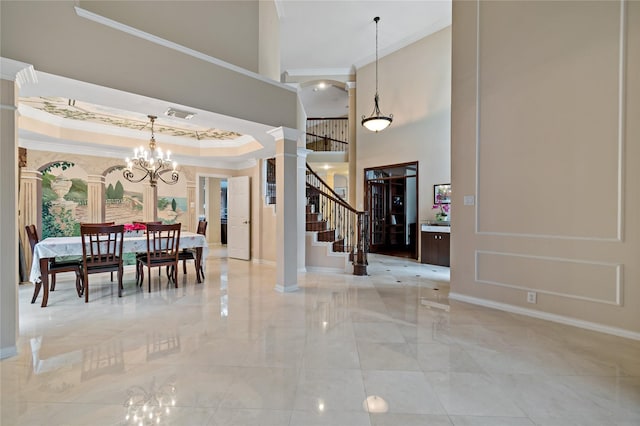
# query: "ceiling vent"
{"type": "Point", "coordinates": [186, 115]}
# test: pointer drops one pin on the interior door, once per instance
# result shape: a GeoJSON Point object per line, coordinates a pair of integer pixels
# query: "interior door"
{"type": "Point", "coordinates": [377, 196]}
{"type": "Point", "coordinates": [238, 218]}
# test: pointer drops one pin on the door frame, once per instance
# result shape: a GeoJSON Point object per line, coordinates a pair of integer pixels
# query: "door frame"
{"type": "Point", "coordinates": [416, 164]}
{"type": "Point", "coordinates": [198, 200]}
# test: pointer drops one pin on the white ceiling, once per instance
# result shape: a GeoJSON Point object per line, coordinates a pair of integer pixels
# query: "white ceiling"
{"type": "Point", "coordinates": [317, 38]}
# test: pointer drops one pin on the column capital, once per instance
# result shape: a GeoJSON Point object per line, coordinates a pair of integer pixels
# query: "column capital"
{"type": "Point", "coordinates": [96, 179]}
{"type": "Point", "coordinates": [281, 133]}
{"type": "Point", "coordinates": [19, 72]}
{"type": "Point", "coordinates": [30, 174]}
{"type": "Point", "coordinates": [191, 184]}
{"type": "Point", "coordinates": [350, 85]}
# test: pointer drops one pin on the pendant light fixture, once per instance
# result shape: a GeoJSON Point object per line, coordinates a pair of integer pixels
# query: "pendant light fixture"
{"type": "Point", "coordinates": [377, 121]}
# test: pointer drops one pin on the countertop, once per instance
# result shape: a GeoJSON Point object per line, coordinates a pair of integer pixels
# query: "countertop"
{"type": "Point", "coordinates": [425, 227]}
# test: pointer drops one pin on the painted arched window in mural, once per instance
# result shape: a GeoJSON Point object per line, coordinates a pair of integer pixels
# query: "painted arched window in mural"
{"type": "Point", "coordinates": [64, 199]}
{"type": "Point", "coordinates": [123, 199]}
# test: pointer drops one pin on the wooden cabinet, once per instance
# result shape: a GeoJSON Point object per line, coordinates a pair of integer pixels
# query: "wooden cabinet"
{"type": "Point", "coordinates": [396, 213]}
{"type": "Point", "coordinates": [435, 248]}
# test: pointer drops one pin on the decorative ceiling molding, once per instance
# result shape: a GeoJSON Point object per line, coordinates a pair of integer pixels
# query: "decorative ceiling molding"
{"type": "Point", "coordinates": [83, 111]}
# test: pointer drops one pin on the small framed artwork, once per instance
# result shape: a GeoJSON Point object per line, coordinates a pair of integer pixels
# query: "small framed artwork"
{"type": "Point", "coordinates": [442, 193]}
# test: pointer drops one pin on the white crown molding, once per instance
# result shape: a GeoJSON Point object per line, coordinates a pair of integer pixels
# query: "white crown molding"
{"type": "Point", "coordinates": [426, 31]}
{"type": "Point", "coordinates": [83, 13]}
{"type": "Point", "coordinates": [588, 325]}
{"type": "Point", "coordinates": [306, 72]}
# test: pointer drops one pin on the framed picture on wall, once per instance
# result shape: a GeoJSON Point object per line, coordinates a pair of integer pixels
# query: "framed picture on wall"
{"type": "Point", "coordinates": [442, 193]}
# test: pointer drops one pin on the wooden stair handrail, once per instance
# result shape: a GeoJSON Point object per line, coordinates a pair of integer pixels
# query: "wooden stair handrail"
{"type": "Point", "coordinates": [335, 197]}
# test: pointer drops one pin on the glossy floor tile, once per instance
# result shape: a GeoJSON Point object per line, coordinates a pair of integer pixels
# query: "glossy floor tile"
{"type": "Point", "coordinates": [342, 351]}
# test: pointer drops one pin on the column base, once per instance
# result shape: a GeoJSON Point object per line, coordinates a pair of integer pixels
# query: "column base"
{"type": "Point", "coordinates": [286, 289]}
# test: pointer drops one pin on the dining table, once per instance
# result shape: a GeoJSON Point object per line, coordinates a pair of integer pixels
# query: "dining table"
{"type": "Point", "coordinates": [53, 247]}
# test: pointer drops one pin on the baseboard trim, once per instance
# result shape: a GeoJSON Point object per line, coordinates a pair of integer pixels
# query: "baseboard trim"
{"type": "Point", "coordinates": [8, 352]}
{"type": "Point", "coordinates": [326, 269]}
{"type": "Point", "coordinates": [620, 332]}
{"type": "Point", "coordinates": [288, 289]}
{"type": "Point", "coordinates": [264, 262]}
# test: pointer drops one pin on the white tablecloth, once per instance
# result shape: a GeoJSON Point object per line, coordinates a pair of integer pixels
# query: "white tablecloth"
{"type": "Point", "coordinates": [72, 246]}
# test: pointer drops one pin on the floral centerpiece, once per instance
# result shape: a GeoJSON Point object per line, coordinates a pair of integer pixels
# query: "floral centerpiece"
{"type": "Point", "coordinates": [134, 228]}
{"type": "Point", "coordinates": [443, 214]}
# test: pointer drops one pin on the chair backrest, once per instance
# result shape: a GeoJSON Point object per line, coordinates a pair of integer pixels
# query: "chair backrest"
{"type": "Point", "coordinates": [97, 224]}
{"type": "Point", "coordinates": [163, 242]}
{"type": "Point", "coordinates": [32, 234]}
{"type": "Point", "coordinates": [202, 227]}
{"type": "Point", "coordinates": [101, 245]}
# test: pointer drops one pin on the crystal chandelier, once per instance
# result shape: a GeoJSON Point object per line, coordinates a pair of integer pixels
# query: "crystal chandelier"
{"type": "Point", "coordinates": [152, 163]}
{"type": "Point", "coordinates": [377, 121]}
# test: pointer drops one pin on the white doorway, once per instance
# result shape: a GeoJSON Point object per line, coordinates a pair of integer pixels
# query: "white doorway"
{"type": "Point", "coordinates": [238, 218]}
{"type": "Point", "coordinates": [211, 200]}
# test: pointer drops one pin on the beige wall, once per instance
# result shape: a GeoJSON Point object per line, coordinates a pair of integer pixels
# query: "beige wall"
{"type": "Point", "coordinates": [88, 51]}
{"type": "Point", "coordinates": [269, 40]}
{"type": "Point", "coordinates": [544, 135]}
{"type": "Point", "coordinates": [414, 86]}
{"type": "Point", "coordinates": [227, 30]}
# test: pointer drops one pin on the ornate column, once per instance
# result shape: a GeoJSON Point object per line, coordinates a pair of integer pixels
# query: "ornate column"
{"type": "Point", "coordinates": [192, 223]}
{"type": "Point", "coordinates": [30, 208]}
{"type": "Point", "coordinates": [96, 198]}
{"type": "Point", "coordinates": [150, 203]}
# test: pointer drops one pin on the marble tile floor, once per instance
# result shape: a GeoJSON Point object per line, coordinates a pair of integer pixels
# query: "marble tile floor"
{"type": "Point", "coordinates": [343, 350]}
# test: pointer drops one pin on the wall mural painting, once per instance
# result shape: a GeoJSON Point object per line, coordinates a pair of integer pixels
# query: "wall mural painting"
{"type": "Point", "coordinates": [172, 203]}
{"type": "Point", "coordinates": [64, 199]}
{"type": "Point", "coordinates": [123, 199]}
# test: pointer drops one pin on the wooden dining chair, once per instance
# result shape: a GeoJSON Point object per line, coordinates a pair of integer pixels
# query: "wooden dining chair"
{"type": "Point", "coordinates": [141, 255]}
{"type": "Point", "coordinates": [101, 252]}
{"type": "Point", "coordinates": [55, 266]}
{"type": "Point", "coordinates": [194, 254]}
{"type": "Point", "coordinates": [163, 243]}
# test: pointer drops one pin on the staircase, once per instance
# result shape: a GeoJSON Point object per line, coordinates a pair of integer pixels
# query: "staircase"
{"type": "Point", "coordinates": [324, 251]}
{"type": "Point", "coordinates": [337, 234]}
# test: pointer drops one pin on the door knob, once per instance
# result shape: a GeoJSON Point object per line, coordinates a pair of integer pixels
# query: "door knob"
{"type": "Point", "coordinates": [245, 222]}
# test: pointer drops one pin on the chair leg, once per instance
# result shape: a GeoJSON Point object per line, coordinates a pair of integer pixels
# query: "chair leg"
{"type": "Point", "coordinates": [149, 271]}
{"type": "Point", "coordinates": [184, 267]}
{"type": "Point", "coordinates": [85, 285]}
{"type": "Point", "coordinates": [111, 276]}
{"type": "Point", "coordinates": [78, 283]}
{"type": "Point", "coordinates": [175, 275]}
{"type": "Point", "coordinates": [53, 282]}
{"type": "Point", "coordinates": [120, 286]}
{"type": "Point", "coordinates": [36, 291]}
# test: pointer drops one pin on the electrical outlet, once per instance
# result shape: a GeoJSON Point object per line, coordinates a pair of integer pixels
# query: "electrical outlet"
{"type": "Point", "coordinates": [532, 297]}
